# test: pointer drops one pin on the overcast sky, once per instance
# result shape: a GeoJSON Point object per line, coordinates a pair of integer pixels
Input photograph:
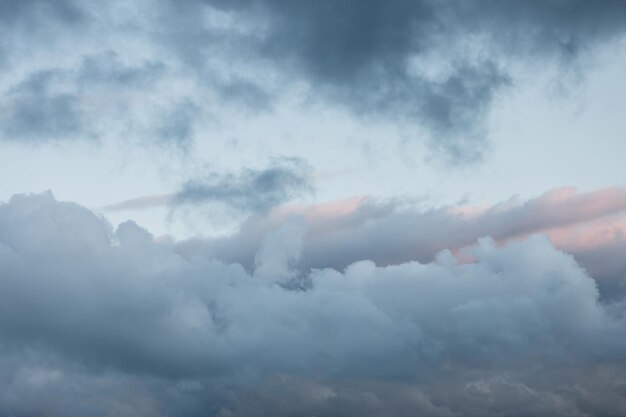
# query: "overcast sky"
{"type": "Point", "coordinates": [296, 208]}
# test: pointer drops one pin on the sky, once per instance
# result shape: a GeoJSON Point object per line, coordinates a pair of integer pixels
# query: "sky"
{"type": "Point", "coordinates": [330, 208]}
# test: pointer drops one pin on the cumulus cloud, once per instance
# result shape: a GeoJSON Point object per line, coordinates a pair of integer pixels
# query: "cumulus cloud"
{"type": "Point", "coordinates": [113, 322]}
{"type": "Point", "coordinates": [434, 65]}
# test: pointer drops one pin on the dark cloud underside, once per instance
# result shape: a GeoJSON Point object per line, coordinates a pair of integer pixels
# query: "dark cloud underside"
{"type": "Point", "coordinates": [366, 56]}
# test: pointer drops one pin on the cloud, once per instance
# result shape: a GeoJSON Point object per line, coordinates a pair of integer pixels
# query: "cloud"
{"type": "Point", "coordinates": [341, 233]}
{"type": "Point", "coordinates": [374, 56]}
{"type": "Point", "coordinates": [250, 191]}
{"type": "Point", "coordinates": [37, 114]}
{"type": "Point", "coordinates": [107, 319]}
{"type": "Point", "coordinates": [434, 66]}
{"type": "Point", "coordinates": [280, 249]}
{"type": "Point", "coordinates": [67, 11]}
{"type": "Point", "coordinates": [485, 394]}
{"type": "Point", "coordinates": [143, 202]}
{"type": "Point", "coordinates": [599, 246]}
{"type": "Point", "coordinates": [178, 125]}
{"type": "Point", "coordinates": [80, 102]}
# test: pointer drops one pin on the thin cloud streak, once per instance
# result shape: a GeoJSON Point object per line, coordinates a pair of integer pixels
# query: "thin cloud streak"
{"type": "Point", "coordinates": [144, 202]}
{"type": "Point", "coordinates": [251, 190]}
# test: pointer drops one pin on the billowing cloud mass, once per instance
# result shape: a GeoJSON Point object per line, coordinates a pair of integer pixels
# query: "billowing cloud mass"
{"type": "Point", "coordinates": [295, 166]}
{"type": "Point", "coordinates": [97, 321]}
{"type": "Point", "coordinates": [155, 70]}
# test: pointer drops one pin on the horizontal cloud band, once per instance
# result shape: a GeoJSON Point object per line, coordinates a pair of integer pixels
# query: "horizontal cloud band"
{"type": "Point", "coordinates": [119, 304]}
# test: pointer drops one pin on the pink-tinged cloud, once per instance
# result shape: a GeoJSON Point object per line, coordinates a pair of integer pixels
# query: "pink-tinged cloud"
{"type": "Point", "coordinates": [564, 206]}
{"type": "Point", "coordinates": [571, 219]}
{"type": "Point", "coordinates": [319, 215]}
{"type": "Point", "coordinates": [556, 208]}
{"type": "Point", "coordinates": [349, 230]}
{"type": "Point", "coordinates": [576, 222]}
{"type": "Point", "coordinates": [589, 235]}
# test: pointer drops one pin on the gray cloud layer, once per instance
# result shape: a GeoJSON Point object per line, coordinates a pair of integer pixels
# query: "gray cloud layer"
{"type": "Point", "coordinates": [437, 65]}
{"type": "Point", "coordinates": [111, 322]}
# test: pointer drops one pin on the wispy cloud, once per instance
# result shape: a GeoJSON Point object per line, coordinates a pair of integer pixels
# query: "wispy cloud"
{"type": "Point", "coordinates": [249, 191]}
{"type": "Point", "coordinates": [147, 201]}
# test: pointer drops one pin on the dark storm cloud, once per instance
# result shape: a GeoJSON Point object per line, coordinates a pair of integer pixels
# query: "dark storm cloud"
{"type": "Point", "coordinates": [432, 64]}
{"type": "Point", "coordinates": [565, 27]}
{"type": "Point", "coordinates": [359, 52]}
{"type": "Point", "coordinates": [346, 42]}
{"type": "Point", "coordinates": [112, 322]}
